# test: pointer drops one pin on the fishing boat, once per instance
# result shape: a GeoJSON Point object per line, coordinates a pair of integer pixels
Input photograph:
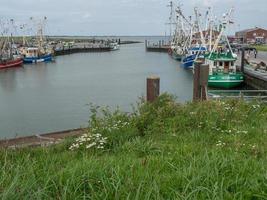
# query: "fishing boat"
{"type": "Point", "coordinates": [176, 51]}
{"type": "Point", "coordinates": [10, 62]}
{"type": "Point", "coordinates": [8, 52]}
{"type": "Point", "coordinates": [114, 46]}
{"type": "Point", "coordinates": [222, 61]}
{"type": "Point", "coordinates": [40, 52]}
{"type": "Point", "coordinates": [195, 45]}
{"type": "Point", "coordinates": [180, 35]}
{"type": "Point", "coordinates": [176, 54]}
{"type": "Point", "coordinates": [35, 55]}
{"type": "Point", "coordinates": [193, 54]}
{"type": "Point", "coordinates": [222, 70]}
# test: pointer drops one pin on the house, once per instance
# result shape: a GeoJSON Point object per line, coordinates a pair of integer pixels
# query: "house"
{"type": "Point", "coordinates": [252, 36]}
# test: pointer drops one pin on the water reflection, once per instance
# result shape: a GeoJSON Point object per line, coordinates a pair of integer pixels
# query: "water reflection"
{"type": "Point", "coordinates": [8, 80]}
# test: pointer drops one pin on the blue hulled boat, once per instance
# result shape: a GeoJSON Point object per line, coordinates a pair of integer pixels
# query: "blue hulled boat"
{"type": "Point", "coordinates": [33, 55]}
{"type": "Point", "coordinates": [191, 56]}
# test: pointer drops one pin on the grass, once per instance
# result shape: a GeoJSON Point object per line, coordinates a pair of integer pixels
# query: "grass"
{"type": "Point", "coordinates": [260, 47]}
{"type": "Point", "coordinates": [209, 150]}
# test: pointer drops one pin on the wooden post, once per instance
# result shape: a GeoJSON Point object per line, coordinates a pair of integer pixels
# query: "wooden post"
{"type": "Point", "coordinates": [242, 60]}
{"type": "Point", "coordinates": [146, 44]}
{"type": "Point", "coordinates": [153, 88]}
{"type": "Point", "coordinates": [201, 76]}
{"type": "Point", "coordinates": [204, 77]}
{"type": "Point", "coordinates": [196, 89]}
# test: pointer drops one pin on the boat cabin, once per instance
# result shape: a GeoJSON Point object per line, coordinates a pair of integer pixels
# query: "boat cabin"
{"type": "Point", "coordinates": [221, 63]}
{"type": "Point", "coordinates": [31, 52]}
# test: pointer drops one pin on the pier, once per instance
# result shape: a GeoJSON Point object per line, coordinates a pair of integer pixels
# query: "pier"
{"type": "Point", "coordinates": [161, 46]}
{"type": "Point", "coordinates": [254, 69]}
{"type": "Point", "coordinates": [256, 79]}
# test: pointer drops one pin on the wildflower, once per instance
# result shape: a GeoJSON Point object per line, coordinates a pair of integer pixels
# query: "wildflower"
{"type": "Point", "coordinates": [89, 141]}
{"type": "Point", "coordinates": [256, 106]}
{"type": "Point", "coordinates": [90, 145]}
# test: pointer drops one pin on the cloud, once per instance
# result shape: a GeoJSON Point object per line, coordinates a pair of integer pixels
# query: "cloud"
{"type": "Point", "coordinates": [122, 17]}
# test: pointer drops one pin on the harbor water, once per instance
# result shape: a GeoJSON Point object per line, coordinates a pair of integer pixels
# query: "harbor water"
{"type": "Point", "coordinates": [50, 97]}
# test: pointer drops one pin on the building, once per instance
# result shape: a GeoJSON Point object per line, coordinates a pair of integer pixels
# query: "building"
{"type": "Point", "coordinates": [252, 36]}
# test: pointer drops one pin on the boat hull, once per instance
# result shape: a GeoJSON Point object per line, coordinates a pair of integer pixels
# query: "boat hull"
{"type": "Point", "coordinates": [11, 63]}
{"type": "Point", "coordinates": [188, 62]}
{"type": "Point", "coordinates": [45, 58]}
{"type": "Point", "coordinates": [176, 56]}
{"type": "Point", "coordinates": [226, 80]}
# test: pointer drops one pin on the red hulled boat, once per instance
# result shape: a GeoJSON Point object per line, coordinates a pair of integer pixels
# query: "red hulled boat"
{"type": "Point", "coordinates": [16, 62]}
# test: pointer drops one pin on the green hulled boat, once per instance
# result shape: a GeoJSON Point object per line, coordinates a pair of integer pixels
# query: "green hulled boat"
{"type": "Point", "coordinates": [222, 71]}
{"type": "Point", "coordinates": [226, 80]}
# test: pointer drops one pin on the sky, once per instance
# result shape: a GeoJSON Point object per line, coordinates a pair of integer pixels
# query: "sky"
{"type": "Point", "coordinates": [124, 17]}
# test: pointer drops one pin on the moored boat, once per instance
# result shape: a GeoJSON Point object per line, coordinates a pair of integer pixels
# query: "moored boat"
{"type": "Point", "coordinates": [33, 55]}
{"type": "Point", "coordinates": [8, 63]}
{"type": "Point", "coordinates": [176, 56]}
{"type": "Point", "coordinates": [114, 46]}
{"type": "Point", "coordinates": [193, 53]}
{"type": "Point", "coordinates": [222, 70]}
{"type": "Point", "coordinates": [40, 51]}
{"type": "Point", "coordinates": [226, 81]}
{"type": "Point", "coordinates": [222, 60]}
{"type": "Point", "coordinates": [8, 52]}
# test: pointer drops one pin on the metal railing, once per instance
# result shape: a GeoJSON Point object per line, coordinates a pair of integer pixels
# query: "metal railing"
{"type": "Point", "coordinates": [238, 94]}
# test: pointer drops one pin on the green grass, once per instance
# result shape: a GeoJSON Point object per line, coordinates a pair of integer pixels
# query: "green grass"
{"type": "Point", "coordinates": [260, 47]}
{"type": "Point", "coordinates": [210, 150]}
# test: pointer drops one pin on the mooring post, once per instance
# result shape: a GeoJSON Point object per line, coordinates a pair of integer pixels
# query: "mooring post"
{"type": "Point", "coordinates": [146, 44]}
{"type": "Point", "coordinates": [196, 86]}
{"type": "Point", "coordinates": [153, 88]}
{"type": "Point", "coordinates": [242, 60]}
{"type": "Point", "coordinates": [204, 77]}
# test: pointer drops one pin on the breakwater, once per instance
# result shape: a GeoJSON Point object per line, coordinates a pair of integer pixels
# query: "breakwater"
{"type": "Point", "coordinates": [66, 51]}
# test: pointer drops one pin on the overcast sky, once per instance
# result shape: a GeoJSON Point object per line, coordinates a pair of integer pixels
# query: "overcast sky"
{"type": "Point", "coordinates": [123, 17]}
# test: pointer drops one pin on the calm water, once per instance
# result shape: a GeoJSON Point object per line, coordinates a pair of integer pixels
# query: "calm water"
{"type": "Point", "coordinates": [52, 97]}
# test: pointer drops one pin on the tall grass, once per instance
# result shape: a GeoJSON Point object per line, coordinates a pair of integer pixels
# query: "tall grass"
{"type": "Point", "coordinates": [260, 47]}
{"type": "Point", "coordinates": [210, 150]}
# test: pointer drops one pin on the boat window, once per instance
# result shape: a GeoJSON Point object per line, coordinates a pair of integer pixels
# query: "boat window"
{"type": "Point", "coordinates": [215, 63]}
{"type": "Point", "coordinates": [232, 63]}
{"type": "Point", "coordinates": [220, 63]}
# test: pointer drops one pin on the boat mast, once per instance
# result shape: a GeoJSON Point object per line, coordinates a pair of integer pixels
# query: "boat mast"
{"type": "Point", "coordinates": [226, 21]}
{"type": "Point", "coordinates": [198, 27]}
{"type": "Point", "coordinates": [210, 27]}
